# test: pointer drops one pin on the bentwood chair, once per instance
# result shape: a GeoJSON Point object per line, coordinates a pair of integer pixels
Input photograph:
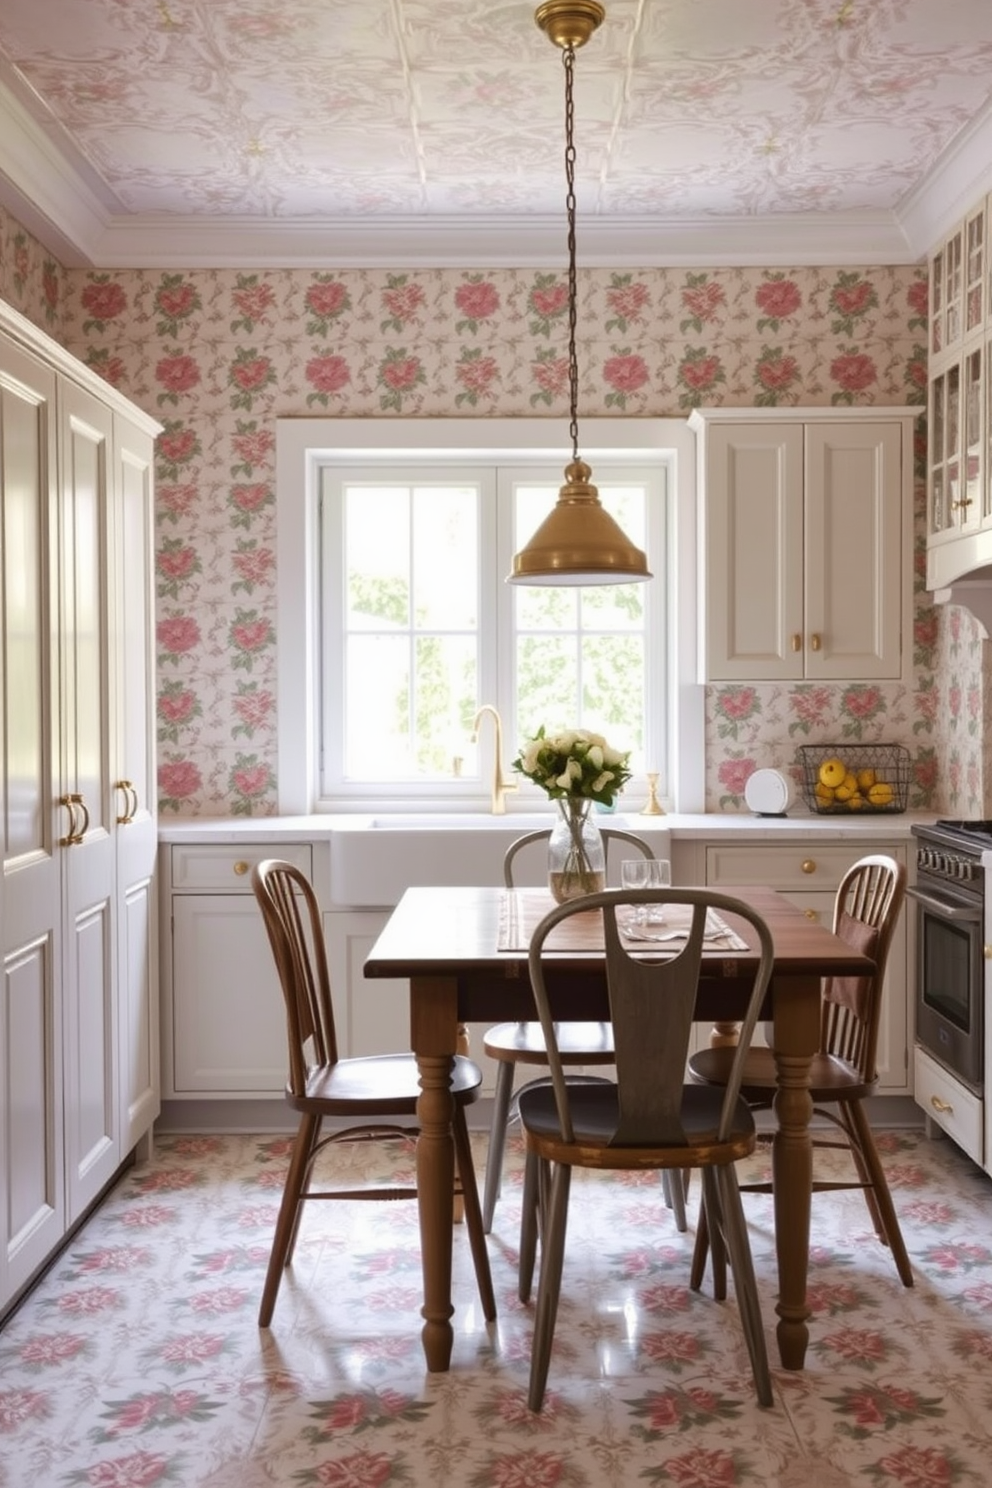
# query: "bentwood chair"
{"type": "Point", "coordinates": [368, 1093]}
{"type": "Point", "coordinates": [649, 1118]}
{"type": "Point", "coordinates": [843, 1073]}
{"type": "Point", "coordinates": [579, 1044]}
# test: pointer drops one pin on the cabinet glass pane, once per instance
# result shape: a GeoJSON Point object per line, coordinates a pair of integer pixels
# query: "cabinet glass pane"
{"type": "Point", "coordinates": [972, 434]}
{"type": "Point", "coordinates": [938, 519]}
{"type": "Point", "coordinates": [975, 271]}
{"type": "Point", "coordinates": [936, 302]}
{"type": "Point", "coordinates": [952, 442]}
{"type": "Point", "coordinates": [953, 270]}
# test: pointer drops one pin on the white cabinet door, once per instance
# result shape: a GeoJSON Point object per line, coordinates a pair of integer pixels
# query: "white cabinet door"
{"type": "Point", "coordinates": [134, 783]}
{"type": "Point", "coordinates": [32, 1189]}
{"type": "Point", "coordinates": [753, 523]}
{"type": "Point", "coordinates": [91, 1060]}
{"type": "Point", "coordinates": [854, 552]}
{"type": "Point", "coordinates": [228, 1023]}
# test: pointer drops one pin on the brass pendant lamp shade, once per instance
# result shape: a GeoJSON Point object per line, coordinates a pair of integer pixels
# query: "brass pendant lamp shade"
{"type": "Point", "coordinates": [578, 542]}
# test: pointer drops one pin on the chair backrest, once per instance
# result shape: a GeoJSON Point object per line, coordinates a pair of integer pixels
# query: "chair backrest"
{"type": "Point", "coordinates": [652, 1007]}
{"type": "Point", "coordinates": [869, 898]}
{"type": "Point", "coordinates": [292, 920]}
{"type": "Point", "coordinates": [610, 835]}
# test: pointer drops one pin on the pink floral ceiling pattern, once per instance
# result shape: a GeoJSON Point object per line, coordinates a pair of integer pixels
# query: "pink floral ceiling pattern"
{"type": "Point", "coordinates": [329, 110]}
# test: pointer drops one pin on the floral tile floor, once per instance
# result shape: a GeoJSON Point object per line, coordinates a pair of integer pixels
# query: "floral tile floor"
{"type": "Point", "coordinates": [138, 1361]}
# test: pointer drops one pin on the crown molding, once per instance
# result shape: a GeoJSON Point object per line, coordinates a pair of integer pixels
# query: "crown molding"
{"type": "Point", "coordinates": [962, 177]}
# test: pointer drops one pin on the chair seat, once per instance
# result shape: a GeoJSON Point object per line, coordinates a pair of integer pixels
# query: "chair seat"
{"type": "Point", "coordinates": [382, 1084]}
{"type": "Point", "coordinates": [831, 1078]}
{"type": "Point", "coordinates": [595, 1113]}
{"type": "Point", "coordinates": [523, 1043]}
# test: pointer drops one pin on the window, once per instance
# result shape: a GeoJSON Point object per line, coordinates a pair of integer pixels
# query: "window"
{"type": "Point", "coordinates": [418, 628]}
{"type": "Point", "coordinates": [396, 624]}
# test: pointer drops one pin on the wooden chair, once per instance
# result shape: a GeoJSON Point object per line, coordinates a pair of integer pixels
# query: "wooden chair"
{"type": "Point", "coordinates": [843, 1073]}
{"type": "Point", "coordinates": [648, 1119]}
{"type": "Point", "coordinates": [369, 1092]}
{"type": "Point", "coordinates": [510, 1044]}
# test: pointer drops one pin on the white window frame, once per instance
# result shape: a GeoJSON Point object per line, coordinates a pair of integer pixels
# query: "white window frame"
{"type": "Point", "coordinates": [304, 446]}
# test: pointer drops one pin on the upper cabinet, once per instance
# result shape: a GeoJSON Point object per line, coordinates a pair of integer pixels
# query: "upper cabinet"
{"type": "Point", "coordinates": [959, 460]}
{"type": "Point", "coordinates": [805, 542]}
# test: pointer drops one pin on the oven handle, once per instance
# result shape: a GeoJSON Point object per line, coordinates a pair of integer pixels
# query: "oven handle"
{"type": "Point", "coordinates": [970, 914]}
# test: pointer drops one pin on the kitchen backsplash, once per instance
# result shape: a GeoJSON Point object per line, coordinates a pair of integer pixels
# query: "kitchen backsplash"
{"type": "Point", "coordinates": [218, 355]}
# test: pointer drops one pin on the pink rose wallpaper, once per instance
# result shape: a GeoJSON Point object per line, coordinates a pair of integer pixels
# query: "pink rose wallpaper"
{"type": "Point", "coordinates": [219, 355]}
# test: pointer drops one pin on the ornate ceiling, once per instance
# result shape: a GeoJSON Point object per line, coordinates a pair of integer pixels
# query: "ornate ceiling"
{"type": "Point", "coordinates": [370, 132]}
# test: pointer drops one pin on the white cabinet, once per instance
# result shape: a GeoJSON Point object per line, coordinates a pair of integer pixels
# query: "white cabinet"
{"type": "Point", "coordinates": [223, 1010]}
{"type": "Point", "coordinates": [806, 530]}
{"type": "Point", "coordinates": [809, 874]}
{"type": "Point", "coordinates": [78, 1016]}
{"type": "Point", "coordinates": [959, 454]}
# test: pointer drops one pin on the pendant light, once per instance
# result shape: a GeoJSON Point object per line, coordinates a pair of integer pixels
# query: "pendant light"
{"type": "Point", "coordinates": [578, 542]}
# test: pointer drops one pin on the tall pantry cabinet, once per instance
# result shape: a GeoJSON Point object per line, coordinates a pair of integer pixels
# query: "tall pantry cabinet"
{"type": "Point", "coordinates": [79, 1059]}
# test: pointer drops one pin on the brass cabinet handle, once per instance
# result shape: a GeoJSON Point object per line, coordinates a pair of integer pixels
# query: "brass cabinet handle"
{"type": "Point", "coordinates": [241, 868]}
{"type": "Point", "coordinates": [797, 642]}
{"type": "Point", "coordinates": [814, 642]}
{"type": "Point", "coordinates": [78, 800]}
{"type": "Point", "coordinates": [808, 865]}
{"type": "Point", "coordinates": [944, 1107]}
{"type": "Point", "coordinates": [70, 837]}
{"type": "Point", "coordinates": [960, 505]}
{"type": "Point", "coordinates": [130, 803]}
{"type": "Point", "coordinates": [811, 914]}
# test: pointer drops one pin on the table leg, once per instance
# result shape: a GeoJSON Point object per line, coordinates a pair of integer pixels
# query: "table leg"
{"type": "Point", "coordinates": [796, 1033]}
{"type": "Point", "coordinates": [432, 1024]}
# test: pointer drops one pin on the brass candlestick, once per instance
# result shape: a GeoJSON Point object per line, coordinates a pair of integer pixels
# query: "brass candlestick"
{"type": "Point", "coordinates": [654, 806]}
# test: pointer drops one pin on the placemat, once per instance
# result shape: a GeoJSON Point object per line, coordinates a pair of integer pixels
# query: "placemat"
{"type": "Point", "coordinates": [521, 910]}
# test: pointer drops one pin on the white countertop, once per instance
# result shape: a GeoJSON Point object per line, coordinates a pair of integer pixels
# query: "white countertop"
{"type": "Point", "coordinates": [710, 826]}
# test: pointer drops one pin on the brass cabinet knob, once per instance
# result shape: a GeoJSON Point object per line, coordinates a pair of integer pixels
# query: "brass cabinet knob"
{"type": "Point", "coordinates": [814, 642]}
{"type": "Point", "coordinates": [797, 642]}
{"type": "Point", "coordinates": [241, 868]}
{"type": "Point", "coordinates": [808, 865]}
{"type": "Point", "coordinates": [811, 914]}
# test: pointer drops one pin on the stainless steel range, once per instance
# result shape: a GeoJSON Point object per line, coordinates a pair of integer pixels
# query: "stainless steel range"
{"type": "Point", "coordinates": [950, 946]}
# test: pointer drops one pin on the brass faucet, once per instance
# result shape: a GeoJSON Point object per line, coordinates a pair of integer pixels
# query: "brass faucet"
{"type": "Point", "coordinates": [501, 786]}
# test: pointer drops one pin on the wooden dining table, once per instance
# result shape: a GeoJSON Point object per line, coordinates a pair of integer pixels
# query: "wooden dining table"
{"type": "Point", "coordinates": [464, 952]}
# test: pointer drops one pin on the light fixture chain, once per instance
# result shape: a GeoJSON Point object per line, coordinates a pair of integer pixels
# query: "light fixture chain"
{"type": "Point", "coordinates": [568, 58]}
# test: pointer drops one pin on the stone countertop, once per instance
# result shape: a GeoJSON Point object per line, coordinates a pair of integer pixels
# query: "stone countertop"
{"type": "Point", "coordinates": [799, 824]}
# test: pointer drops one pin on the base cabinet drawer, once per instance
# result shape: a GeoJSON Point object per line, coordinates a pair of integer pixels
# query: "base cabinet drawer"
{"type": "Point", "coordinates": [954, 1108]}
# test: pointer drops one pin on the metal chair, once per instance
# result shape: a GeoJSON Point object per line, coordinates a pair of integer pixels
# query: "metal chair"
{"type": "Point", "coordinates": [363, 1090]}
{"type": "Point", "coordinates": [510, 1044]}
{"type": "Point", "coordinates": [843, 1073]}
{"type": "Point", "coordinates": [649, 1118]}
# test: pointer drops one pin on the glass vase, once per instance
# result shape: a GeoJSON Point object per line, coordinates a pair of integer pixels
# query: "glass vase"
{"type": "Point", "coordinates": [576, 856]}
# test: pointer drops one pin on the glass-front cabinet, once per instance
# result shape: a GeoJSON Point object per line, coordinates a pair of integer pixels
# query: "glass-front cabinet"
{"type": "Point", "coordinates": [959, 462]}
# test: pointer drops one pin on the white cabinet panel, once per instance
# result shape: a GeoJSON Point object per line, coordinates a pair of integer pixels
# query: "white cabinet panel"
{"type": "Point", "coordinates": [228, 1023]}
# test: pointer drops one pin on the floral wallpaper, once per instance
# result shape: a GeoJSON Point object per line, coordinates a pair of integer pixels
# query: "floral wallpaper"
{"type": "Point", "coordinates": [218, 355]}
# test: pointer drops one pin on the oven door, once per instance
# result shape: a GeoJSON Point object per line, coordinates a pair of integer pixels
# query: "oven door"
{"type": "Point", "coordinates": [950, 972]}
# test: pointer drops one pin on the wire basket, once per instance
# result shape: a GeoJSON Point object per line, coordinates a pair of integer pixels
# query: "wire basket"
{"type": "Point", "coordinates": [880, 772]}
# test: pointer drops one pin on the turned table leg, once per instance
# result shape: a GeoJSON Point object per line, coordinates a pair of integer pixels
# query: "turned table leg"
{"type": "Point", "coordinates": [797, 1026]}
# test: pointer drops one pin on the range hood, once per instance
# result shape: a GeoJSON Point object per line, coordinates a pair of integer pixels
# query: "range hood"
{"type": "Point", "coordinates": [959, 571]}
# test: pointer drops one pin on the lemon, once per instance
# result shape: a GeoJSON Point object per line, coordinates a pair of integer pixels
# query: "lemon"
{"type": "Point", "coordinates": [866, 779]}
{"type": "Point", "coordinates": [847, 789]}
{"type": "Point", "coordinates": [881, 794]}
{"type": "Point", "coordinates": [857, 802]}
{"type": "Point", "coordinates": [832, 772]}
{"type": "Point", "coordinates": [824, 795]}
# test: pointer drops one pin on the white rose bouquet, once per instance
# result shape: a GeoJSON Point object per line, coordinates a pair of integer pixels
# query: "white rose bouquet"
{"type": "Point", "coordinates": [576, 763]}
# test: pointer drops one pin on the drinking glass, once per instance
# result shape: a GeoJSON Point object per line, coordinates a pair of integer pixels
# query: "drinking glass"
{"type": "Point", "coordinates": [645, 873]}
